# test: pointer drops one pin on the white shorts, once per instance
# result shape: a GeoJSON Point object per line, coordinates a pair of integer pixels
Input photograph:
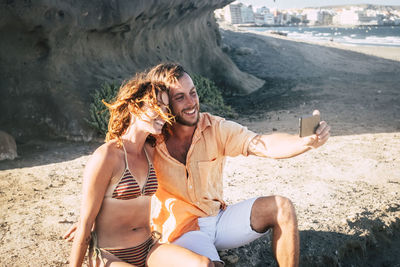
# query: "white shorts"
{"type": "Point", "coordinates": [229, 229]}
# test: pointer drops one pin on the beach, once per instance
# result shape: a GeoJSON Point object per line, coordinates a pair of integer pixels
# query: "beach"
{"type": "Point", "coordinates": [387, 52]}
{"type": "Point", "coordinates": [346, 193]}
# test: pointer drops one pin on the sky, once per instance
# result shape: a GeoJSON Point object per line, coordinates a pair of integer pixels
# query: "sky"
{"type": "Point", "coordinates": [283, 4]}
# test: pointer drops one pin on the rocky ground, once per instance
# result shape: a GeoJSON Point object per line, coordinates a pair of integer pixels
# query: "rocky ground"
{"type": "Point", "coordinates": [346, 193]}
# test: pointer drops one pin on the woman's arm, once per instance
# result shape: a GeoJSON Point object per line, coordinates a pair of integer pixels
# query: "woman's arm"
{"type": "Point", "coordinates": [96, 178]}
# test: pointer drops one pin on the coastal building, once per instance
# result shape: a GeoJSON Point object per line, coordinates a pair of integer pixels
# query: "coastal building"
{"type": "Point", "coordinates": [233, 13]}
{"type": "Point", "coordinates": [269, 19]}
{"type": "Point", "coordinates": [312, 16]}
{"type": "Point", "coordinates": [259, 19]}
{"type": "Point", "coordinates": [367, 18]}
{"type": "Point", "coordinates": [278, 18]}
{"type": "Point", "coordinates": [265, 15]}
{"type": "Point", "coordinates": [263, 10]}
{"type": "Point", "coordinates": [247, 14]}
{"type": "Point", "coordinates": [325, 17]}
{"type": "Point", "coordinates": [238, 13]}
{"type": "Point", "coordinates": [345, 15]}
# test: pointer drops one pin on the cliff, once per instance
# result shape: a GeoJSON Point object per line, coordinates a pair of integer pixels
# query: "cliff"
{"type": "Point", "coordinates": [54, 54]}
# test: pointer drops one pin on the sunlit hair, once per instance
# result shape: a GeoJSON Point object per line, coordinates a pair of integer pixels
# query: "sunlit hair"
{"type": "Point", "coordinates": [131, 98]}
{"type": "Point", "coordinates": [167, 73]}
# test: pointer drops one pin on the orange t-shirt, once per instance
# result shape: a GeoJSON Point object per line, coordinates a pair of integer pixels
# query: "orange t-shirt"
{"type": "Point", "coordinates": [186, 192]}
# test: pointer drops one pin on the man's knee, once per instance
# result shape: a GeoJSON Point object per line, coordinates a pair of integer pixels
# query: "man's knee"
{"type": "Point", "coordinates": [205, 262]}
{"type": "Point", "coordinates": [270, 211]}
{"type": "Point", "coordinates": [286, 212]}
{"type": "Point", "coordinates": [217, 264]}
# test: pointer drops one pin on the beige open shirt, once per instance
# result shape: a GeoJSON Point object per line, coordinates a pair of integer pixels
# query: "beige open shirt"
{"type": "Point", "coordinates": [186, 192]}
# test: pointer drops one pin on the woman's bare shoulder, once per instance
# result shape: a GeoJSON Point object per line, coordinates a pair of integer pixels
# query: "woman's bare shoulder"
{"type": "Point", "coordinates": [107, 159]}
{"type": "Point", "coordinates": [108, 151]}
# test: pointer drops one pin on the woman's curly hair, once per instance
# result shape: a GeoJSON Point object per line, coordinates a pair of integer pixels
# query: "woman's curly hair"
{"type": "Point", "coordinates": [131, 97]}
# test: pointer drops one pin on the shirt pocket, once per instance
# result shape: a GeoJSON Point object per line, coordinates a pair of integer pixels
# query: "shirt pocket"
{"type": "Point", "coordinates": [210, 179]}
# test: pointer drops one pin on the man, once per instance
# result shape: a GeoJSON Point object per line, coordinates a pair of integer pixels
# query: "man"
{"type": "Point", "coordinates": [189, 209]}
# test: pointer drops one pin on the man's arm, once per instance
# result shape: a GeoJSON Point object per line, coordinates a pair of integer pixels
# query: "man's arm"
{"type": "Point", "coordinates": [281, 145]}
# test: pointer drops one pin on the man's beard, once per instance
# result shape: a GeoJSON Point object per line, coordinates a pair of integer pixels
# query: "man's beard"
{"type": "Point", "coordinates": [179, 119]}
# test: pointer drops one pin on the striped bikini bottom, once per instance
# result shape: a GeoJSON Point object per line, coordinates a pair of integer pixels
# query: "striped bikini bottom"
{"type": "Point", "coordinates": [134, 255]}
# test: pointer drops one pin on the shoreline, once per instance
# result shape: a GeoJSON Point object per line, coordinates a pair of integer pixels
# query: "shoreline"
{"type": "Point", "coordinates": [314, 26]}
{"type": "Point", "coordinates": [386, 52]}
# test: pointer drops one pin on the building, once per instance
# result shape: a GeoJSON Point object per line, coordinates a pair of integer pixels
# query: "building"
{"type": "Point", "coordinates": [247, 14]}
{"type": "Point", "coordinates": [269, 19]}
{"type": "Point", "coordinates": [350, 15]}
{"type": "Point", "coordinates": [325, 18]}
{"type": "Point", "coordinates": [232, 13]}
{"type": "Point", "coordinates": [263, 10]}
{"type": "Point", "coordinates": [346, 17]}
{"type": "Point", "coordinates": [259, 19]}
{"type": "Point", "coordinates": [264, 15]}
{"type": "Point", "coordinates": [238, 13]}
{"type": "Point", "coordinates": [367, 17]}
{"type": "Point", "coordinates": [312, 16]}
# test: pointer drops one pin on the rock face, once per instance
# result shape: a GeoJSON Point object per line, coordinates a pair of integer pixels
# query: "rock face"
{"type": "Point", "coordinates": [53, 54]}
{"type": "Point", "coordinates": [8, 147]}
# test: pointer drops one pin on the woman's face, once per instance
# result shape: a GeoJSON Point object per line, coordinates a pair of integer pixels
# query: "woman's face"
{"type": "Point", "coordinates": [152, 122]}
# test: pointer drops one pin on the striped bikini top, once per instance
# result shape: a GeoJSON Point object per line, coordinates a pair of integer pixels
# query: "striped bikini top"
{"type": "Point", "coordinates": [128, 187]}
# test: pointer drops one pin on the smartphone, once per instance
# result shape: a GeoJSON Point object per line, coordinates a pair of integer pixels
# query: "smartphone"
{"type": "Point", "coordinates": [308, 125]}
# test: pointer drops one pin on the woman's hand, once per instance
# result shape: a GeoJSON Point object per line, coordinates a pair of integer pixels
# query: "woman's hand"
{"type": "Point", "coordinates": [70, 233]}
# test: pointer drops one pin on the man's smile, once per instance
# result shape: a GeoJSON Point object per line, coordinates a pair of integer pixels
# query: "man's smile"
{"type": "Point", "coordinates": [190, 112]}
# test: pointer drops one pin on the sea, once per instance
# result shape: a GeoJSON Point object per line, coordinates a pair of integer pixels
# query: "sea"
{"type": "Point", "coordinates": [358, 35]}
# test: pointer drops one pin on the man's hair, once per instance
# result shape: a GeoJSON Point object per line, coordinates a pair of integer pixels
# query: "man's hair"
{"type": "Point", "coordinates": [167, 73]}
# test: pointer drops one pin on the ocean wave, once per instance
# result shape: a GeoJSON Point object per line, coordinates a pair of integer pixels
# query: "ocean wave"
{"type": "Point", "coordinates": [363, 35]}
{"type": "Point", "coordinates": [349, 39]}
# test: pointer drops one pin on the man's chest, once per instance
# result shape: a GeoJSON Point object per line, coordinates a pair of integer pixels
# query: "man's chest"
{"type": "Point", "coordinates": [178, 149]}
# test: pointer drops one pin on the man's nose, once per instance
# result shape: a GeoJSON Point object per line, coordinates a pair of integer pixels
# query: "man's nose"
{"type": "Point", "coordinates": [190, 100]}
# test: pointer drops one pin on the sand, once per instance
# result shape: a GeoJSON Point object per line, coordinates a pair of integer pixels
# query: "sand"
{"type": "Point", "coordinates": [346, 193]}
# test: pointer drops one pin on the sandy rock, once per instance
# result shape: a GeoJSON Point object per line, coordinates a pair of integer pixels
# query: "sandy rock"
{"type": "Point", "coordinates": [8, 147]}
{"type": "Point", "coordinates": [67, 49]}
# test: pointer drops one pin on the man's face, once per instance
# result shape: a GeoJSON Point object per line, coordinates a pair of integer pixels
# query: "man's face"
{"type": "Point", "coordinates": [184, 101]}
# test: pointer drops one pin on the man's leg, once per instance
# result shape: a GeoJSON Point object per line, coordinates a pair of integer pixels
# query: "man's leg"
{"type": "Point", "coordinates": [278, 213]}
{"type": "Point", "coordinates": [234, 226]}
{"type": "Point", "coordinates": [250, 219]}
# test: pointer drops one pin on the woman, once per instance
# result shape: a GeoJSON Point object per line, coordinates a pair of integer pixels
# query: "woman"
{"type": "Point", "coordinates": [118, 182]}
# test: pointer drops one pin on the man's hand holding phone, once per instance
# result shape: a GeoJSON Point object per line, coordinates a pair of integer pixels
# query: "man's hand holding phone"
{"type": "Point", "coordinates": [314, 132]}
